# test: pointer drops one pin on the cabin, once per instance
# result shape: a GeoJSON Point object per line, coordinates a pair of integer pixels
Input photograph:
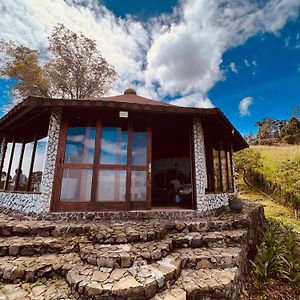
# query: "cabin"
{"type": "Point", "coordinates": [119, 153]}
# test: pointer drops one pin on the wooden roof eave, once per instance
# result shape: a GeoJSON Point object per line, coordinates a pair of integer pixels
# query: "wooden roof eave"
{"type": "Point", "coordinates": [31, 103]}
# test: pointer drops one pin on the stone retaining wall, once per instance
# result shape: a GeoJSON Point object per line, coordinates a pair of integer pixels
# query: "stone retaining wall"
{"type": "Point", "coordinates": [25, 203]}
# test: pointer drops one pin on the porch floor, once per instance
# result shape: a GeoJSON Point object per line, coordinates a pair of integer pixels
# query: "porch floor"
{"type": "Point", "coordinates": [139, 259]}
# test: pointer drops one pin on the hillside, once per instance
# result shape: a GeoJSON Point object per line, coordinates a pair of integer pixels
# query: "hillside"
{"type": "Point", "coordinates": [271, 158]}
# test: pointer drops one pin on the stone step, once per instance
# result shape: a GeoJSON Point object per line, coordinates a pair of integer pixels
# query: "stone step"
{"type": "Point", "coordinates": [27, 246]}
{"type": "Point", "coordinates": [29, 269]}
{"type": "Point", "coordinates": [124, 255]}
{"type": "Point", "coordinates": [203, 284]}
{"type": "Point", "coordinates": [212, 239]}
{"type": "Point", "coordinates": [51, 289]}
{"type": "Point", "coordinates": [209, 258]}
{"type": "Point", "coordinates": [141, 281]}
{"type": "Point", "coordinates": [215, 224]}
{"type": "Point", "coordinates": [36, 228]}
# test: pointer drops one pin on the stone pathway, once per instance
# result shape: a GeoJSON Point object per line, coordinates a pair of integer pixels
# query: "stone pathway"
{"type": "Point", "coordinates": [193, 259]}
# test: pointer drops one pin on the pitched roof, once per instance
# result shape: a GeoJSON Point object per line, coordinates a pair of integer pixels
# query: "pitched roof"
{"type": "Point", "coordinates": [32, 106]}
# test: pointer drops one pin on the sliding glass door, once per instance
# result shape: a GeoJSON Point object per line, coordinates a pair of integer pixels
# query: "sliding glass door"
{"type": "Point", "coordinates": [105, 166]}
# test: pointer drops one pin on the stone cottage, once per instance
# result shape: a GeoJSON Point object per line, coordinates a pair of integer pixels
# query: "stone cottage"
{"type": "Point", "coordinates": [120, 153]}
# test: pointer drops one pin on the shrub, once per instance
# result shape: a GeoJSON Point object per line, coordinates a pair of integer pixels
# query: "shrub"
{"type": "Point", "coordinates": [278, 255]}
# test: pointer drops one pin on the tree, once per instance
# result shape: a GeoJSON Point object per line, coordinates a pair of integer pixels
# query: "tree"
{"type": "Point", "coordinates": [269, 128]}
{"type": "Point", "coordinates": [21, 63]}
{"type": "Point", "coordinates": [249, 137]}
{"type": "Point", "coordinates": [73, 69]}
{"type": "Point", "coordinates": [246, 161]}
{"type": "Point", "coordinates": [290, 132]}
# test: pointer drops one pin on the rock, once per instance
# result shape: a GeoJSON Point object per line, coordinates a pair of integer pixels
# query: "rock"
{"type": "Point", "coordinates": [100, 276]}
{"type": "Point", "coordinates": [13, 250]}
{"type": "Point", "coordinates": [127, 287]}
{"type": "Point", "coordinates": [180, 226]}
{"type": "Point", "coordinates": [93, 289]}
{"type": "Point", "coordinates": [117, 274]}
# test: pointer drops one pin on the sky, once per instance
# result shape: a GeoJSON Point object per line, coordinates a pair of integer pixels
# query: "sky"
{"type": "Point", "coordinates": [240, 56]}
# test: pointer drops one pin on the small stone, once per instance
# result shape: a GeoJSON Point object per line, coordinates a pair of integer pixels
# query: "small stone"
{"type": "Point", "coordinates": [13, 250]}
{"type": "Point", "coordinates": [127, 287]}
{"type": "Point", "coordinates": [180, 226]}
{"type": "Point", "coordinates": [99, 276]}
{"type": "Point", "coordinates": [117, 274]}
{"type": "Point", "coordinates": [38, 290]}
{"type": "Point", "coordinates": [93, 289]}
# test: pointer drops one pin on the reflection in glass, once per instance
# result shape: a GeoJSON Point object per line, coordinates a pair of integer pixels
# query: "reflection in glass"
{"type": "Point", "coordinates": [5, 165]}
{"type": "Point", "coordinates": [138, 186]}
{"type": "Point", "coordinates": [38, 167]}
{"type": "Point", "coordinates": [111, 185]}
{"type": "Point", "coordinates": [114, 142]}
{"type": "Point", "coordinates": [217, 177]}
{"type": "Point", "coordinates": [80, 145]}
{"type": "Point", "coordinates": [139, 148]}
{"type": "Point", "coordinates": [224, 170]}
{"type": "Point", "coordinates": [76, 185]}
{"type": "Point", "coordinates": [23, 180]}
{"type": "Point", "coordinates": [14, 166]}
{"type": "Point", "coordinates": [230, 188]}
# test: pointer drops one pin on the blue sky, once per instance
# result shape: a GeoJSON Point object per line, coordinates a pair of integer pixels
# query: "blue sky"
{"type": "Point", "coordinates": [247, 62]}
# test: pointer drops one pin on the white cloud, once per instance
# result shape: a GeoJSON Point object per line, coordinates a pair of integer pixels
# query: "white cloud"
{"type": "Point", "coordinates": [233, 68]}
{"type": "Point", "coordinates": [247, 63]}
{"type": "Point", "coordinates": [176, 54]}
{"type": "Point", "coordinates": [244, 106]}
{"type": "Point", "coordinates": [193, 100]}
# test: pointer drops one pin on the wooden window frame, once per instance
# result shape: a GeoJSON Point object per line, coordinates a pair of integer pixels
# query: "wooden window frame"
{"type": "Point", "coordinates": [92, 204]}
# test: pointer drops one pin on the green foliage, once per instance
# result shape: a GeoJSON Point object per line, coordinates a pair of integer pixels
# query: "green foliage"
{"type": "Point", "coordinates": [290, 132]}
{"type": "Point", "coordinates": [288, 176]}
{"type": "Point", "coordinates": [268, 260]}
{"type": "Point", "coordinates": [278, 255]}
{"type": "Point", "coordinates": [247, 160]}
{"type": "Point", "coordinates": [269, 128]}
{"type": "Point", "coordinates": [73, 69]}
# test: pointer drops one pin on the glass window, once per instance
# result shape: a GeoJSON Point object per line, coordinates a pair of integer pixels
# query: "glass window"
{"type": "Point", "coordinates": [25, 169]}
{"type": "Point", "coordinates": [80, 145]}
{"type": "Point", "coordinates": [76, 185]}
{"type": "Point", "coordinates": [111, 185]}
{"type": "Point", "coordinates": [6, 165]}
{"type": "Point", "coordinates": [224, 170]}
{"type": "Point", "coordinates": [217, 177]}
{"type": "Point", "coordinates": [114, 142]}
{"type": "Point", "coordinates": [230, 187]}
{"type": "Point", "coordinates": [38, 167]}
{"type": "Point", "coordinates": [14, 166]}
{"type": "Point", "coordinates": [139, 148]}
{"type": "Point", "coordinates": [138, 186]}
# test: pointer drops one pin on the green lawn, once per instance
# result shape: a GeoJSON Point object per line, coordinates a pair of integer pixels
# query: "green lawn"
{"type": "Point", "coordinates": [273, 156]}
{"type": "Point", "coordinates": [272, 209]}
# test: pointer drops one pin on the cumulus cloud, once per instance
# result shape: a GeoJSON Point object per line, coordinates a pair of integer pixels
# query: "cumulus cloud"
{"type": "Point", "coordinates": [244, 106]}
{"type": "Point", "coordinates": [171, 55]}
{"type": "Point", "coordinates": [193, 100]}
{"type": "Point", "coordinates": [233, 68]}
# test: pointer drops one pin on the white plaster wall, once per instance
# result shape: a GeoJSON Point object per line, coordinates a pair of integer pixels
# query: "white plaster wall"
{"type": "Point", "coordinates": [209, 201]}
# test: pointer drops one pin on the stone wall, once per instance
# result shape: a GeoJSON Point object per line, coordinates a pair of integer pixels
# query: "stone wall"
{"type": "Point", "coordinates": [51, 153]}
{"type": "Point", "coordinates": [23, 202]}
{"type": "Point", "coordinates": [38, 202]}
{"type": "Point", "coordinates": [209, 201]}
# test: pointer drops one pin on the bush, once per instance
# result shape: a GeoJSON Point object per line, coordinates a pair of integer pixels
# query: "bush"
{"type": "Point", "coordinates": [278, 256]}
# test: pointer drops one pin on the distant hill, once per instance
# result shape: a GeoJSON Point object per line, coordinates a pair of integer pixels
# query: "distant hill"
{"type": "Point", "coordinates": [273, 156]}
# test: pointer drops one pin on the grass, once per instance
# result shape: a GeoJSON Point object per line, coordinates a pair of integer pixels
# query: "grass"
{"type": "Point", "coordinates": [273, 156]}
{"type": "Point", "coordinates": [272, 209]}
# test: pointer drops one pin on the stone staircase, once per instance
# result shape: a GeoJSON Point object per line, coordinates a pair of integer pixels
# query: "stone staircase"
{"type": "Point", "coordinates": [193, 259]}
